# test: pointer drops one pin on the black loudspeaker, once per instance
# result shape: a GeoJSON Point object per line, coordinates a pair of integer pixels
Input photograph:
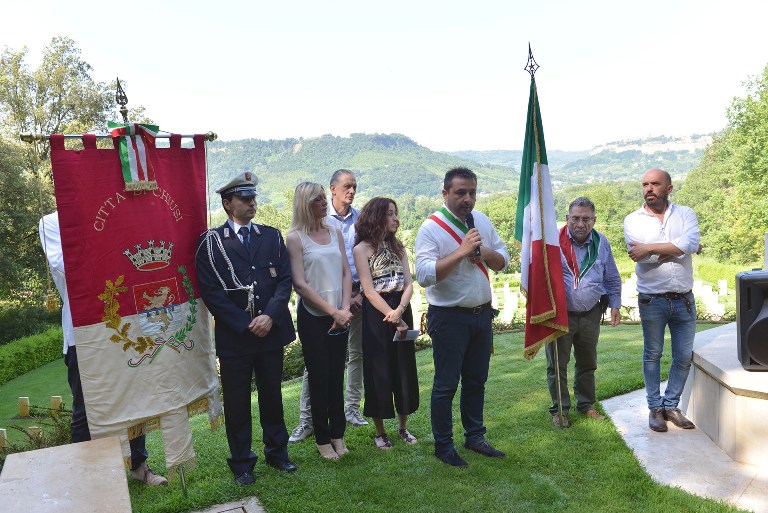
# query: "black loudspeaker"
{"type": "Point", "coordinates": [752, 319]}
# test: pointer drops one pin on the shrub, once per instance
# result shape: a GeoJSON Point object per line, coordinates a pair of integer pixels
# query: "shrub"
{"type": "Point", "coordinates": [26, 354]}
{"type": "Point", "coordinates": [711, 271]}
{"type": "Point", "coordinates": [293, 361]}
{"type": "Point", "coordinates": [18, 321]}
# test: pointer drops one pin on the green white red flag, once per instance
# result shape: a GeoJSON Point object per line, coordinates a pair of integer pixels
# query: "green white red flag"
{"type": "Point", "coordinates": [541, 277]}
{"type": "Point", "coordinates": [134, 142]}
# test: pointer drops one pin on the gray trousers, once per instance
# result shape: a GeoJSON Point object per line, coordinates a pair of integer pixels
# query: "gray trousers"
{"type": "Point", "coordinates": [582, 336]}
{"type": "Point", "coordinates": [354, 373]}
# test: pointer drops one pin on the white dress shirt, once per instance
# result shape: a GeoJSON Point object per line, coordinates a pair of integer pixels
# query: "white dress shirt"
{"type": "Point", "coordinates": [466, 285]}
{"type": "Point", "coordinates": [50, 239]}
{"type": "Point", "coordinates": [680, 227]}
{"type": "Point", "coordinates": [347, 226]}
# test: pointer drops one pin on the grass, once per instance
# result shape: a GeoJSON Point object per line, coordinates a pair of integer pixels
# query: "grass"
{"type": "Point", "coordinates": [587, 468]}
{"type": "Point", "coordinates": [39, 385]}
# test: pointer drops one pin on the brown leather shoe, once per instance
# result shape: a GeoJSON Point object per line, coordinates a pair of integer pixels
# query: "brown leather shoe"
{"type": "Point", "coordinates": [594, 414]}
{"type": "Point", "coordinates": [676, 417]}
{"type": "Point", "coordinates": [147, 476]}
{"type": "Point", "coordinates": [656, 420]}
{"type": "Point", "coordinates": [556, 420]}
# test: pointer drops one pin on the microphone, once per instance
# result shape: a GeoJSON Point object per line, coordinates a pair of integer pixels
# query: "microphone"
{"type": "Point", "coordinates": [471, 224]}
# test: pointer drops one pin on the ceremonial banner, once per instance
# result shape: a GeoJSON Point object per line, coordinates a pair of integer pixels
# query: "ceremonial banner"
{"type": "Point", "coordinates": [541, 280]}
{"type": "Point", "coordinates": [143, 336]}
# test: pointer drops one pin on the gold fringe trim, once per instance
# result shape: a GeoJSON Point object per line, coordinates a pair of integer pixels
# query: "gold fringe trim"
{"type": "Point", "coordinates": [531, 351]}
{"type": "Point", "coordinates": [197, 407]}
{"type": "Point", "coordinates": [143, 428]}
{"type": "Point", "coordinates": [217, 422]}
{"type": "Point", "coordinates": [188, 465]}
{"type": "Point", "coordinates": [142, 185]}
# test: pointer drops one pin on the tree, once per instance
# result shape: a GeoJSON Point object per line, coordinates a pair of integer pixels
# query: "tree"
{"type": "Point", "coordinates": [728, 189]}
{"type": "Point", "coordinates": [22, 265]}
{"type": "Point", "coordinates": [59, 96]}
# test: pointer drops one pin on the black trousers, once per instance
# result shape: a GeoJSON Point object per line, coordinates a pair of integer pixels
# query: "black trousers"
{"type": "Point", "coordinates": [236, 376]}
{"type": "Point", "coordinates": [389, 368]}
{"type": "Point", "coordinates": [324, 357]}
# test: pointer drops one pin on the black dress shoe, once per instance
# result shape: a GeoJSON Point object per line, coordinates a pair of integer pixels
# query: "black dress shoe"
{"type": "Point", "coordinates": [656, 420]}
{"type": "Point", "coordinates": [676, 417]}
{"type": "Point", "coordinates": [245, 478]}
{"type": "Point", "coordinates": [452, 458]}
{"type": "Point", "coordinates": [486, 449]}
{"type": "Point", "coordinates": [283, 465]}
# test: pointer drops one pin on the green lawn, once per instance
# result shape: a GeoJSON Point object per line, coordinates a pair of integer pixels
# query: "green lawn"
{"type": "Point", "coordinates": [587, 468]}
{"type": "Point", "coordinates": [39, 385]}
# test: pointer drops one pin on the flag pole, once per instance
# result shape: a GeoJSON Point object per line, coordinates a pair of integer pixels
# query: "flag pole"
{"type": "Point", "coordinates": [531, 67]}
{"type": "Point", "coordinates": [122, 99]}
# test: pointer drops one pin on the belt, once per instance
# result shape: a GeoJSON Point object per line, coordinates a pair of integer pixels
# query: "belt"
{"type": "Point", "coordinates": [671, 295]}
{"type": "Point", "coordinates": [584, 313]}
{"type": "Point", "coordinates": [465, 309]}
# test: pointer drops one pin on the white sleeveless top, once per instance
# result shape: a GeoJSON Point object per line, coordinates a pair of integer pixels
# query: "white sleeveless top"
{"type": "Point", "coordinates": [323, 270]}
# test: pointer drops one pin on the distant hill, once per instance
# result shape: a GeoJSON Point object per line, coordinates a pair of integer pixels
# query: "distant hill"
{"type": "Point", "coordinates": [626, 160]}
{"type": "Point", "coordinates": [394, 165]}
{"type": "Point", "coordinates": [385, 164]}
{"type": "Point", "coordinates": [513, 158]}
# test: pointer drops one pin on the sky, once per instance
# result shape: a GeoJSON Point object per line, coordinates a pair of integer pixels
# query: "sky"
{"type": "Point", "coordinates": [448, 74]}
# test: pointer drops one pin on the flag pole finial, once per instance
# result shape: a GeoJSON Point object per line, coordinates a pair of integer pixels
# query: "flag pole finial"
{"type": "Point", "coordinates": [122, 99]}
{"type": "Point", "coordinates": [532, 65]}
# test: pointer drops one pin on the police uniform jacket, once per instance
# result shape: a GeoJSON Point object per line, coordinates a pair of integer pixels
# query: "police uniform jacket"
{"type": "Point", "coordinates": [266, 266]}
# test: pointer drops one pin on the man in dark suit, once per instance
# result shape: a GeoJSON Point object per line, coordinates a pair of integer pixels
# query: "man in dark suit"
{"type": "Point", "coordinates": [244, 277]}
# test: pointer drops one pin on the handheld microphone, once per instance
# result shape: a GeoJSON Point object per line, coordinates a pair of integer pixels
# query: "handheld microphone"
{"type": "Point", "coordinates": [471, 224]}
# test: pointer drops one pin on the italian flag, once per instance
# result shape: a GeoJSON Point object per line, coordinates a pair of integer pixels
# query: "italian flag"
{"type": "Point", "coordinates": [541, 280]}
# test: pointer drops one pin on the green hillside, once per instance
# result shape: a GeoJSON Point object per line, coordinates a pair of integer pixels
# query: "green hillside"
{"type": "Point", "coordinates": [391, 164]}
{"type": "Point", "coordinates": [625, 165]}
{"type": "Point", "coordinates": [395, 165]}
{"type": "Point", "coordinates": [513, 158]}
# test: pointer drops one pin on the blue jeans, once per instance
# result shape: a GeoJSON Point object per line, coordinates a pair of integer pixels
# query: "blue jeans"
{"type": "Point", "coordinates": [461, 349]}
{"type": "Point", "coordinates": [656, 313]}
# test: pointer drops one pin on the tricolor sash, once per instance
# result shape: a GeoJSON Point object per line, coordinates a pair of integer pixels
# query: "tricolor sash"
{"type": "Point", "coordinates": [138, 171]}
{"type": "Point", "coordinates": [579, 271]}
{"type": "Point", "coordinates": [448, 222]}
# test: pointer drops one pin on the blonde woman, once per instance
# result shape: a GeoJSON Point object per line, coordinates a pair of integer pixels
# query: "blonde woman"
{"type": "Point", "coordinates": [323, 281]}
{"type": "Point", "coordinates": [389, 363]}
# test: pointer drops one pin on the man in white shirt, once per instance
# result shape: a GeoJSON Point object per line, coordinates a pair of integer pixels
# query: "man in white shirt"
{"type": "Point", "coordinates": [661, 237]}
{"type": "Point", "coordinates": [455, 248]}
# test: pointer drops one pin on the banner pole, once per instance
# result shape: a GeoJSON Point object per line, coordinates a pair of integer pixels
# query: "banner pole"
{"type": "Point", "coordinates": [30, 138]}
{"type": "Point", "coordinates": [557, 383]}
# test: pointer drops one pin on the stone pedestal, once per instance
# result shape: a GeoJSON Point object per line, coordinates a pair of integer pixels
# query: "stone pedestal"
{"type": "Point", "coordinates": [87, 476]}
{"type": "Point", "coordinates": [725, 401]}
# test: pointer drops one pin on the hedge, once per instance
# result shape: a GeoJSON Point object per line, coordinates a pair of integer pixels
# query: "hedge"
{"type": "Point", "coordinates": [19, 321]}
{"type": "Point", "coordinates": [27, 354]}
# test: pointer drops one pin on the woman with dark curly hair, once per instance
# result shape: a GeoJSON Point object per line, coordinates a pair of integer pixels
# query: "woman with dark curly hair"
{"type": "Point", "coordinates": [389, 362]}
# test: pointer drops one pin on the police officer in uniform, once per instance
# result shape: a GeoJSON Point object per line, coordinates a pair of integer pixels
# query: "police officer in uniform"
{"type": "Point", "coordinates": [244, 277]}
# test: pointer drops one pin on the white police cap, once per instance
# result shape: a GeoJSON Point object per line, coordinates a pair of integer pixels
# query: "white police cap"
{"type": "Point", "coordinates": [243, 184]}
